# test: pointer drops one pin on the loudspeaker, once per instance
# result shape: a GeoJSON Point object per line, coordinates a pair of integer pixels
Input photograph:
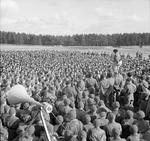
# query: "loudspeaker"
{"type": "Point", "coordinates": [18, 94]}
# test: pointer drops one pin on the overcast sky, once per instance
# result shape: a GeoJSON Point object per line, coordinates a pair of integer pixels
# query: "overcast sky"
{"type": "Point", "coordinates": [63, 17]}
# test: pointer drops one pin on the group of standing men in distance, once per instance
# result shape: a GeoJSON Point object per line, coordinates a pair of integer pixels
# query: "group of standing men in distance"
{"type": "Point", "coordinates": [93, 97]}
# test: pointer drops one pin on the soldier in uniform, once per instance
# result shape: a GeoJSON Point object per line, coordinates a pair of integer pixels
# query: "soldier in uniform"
{"type": "Point", "coordinates": [112, 124]}
{"type": "Point", "coordinates": [96, 133]}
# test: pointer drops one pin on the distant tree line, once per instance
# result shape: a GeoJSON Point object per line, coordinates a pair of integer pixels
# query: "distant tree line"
{"type": "Point", "coordinates": [76, 40]}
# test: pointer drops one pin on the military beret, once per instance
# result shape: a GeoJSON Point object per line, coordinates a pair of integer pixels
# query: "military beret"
{"type": "Point", "coordinates": [129, 74]}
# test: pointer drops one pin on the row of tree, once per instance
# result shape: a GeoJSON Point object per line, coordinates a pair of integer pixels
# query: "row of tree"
{"type": "Point", "coordinates": [76, 40]}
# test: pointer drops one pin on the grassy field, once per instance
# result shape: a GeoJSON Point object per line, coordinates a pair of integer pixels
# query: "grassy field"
{"type": "Point", "coordinates": [108, 49]}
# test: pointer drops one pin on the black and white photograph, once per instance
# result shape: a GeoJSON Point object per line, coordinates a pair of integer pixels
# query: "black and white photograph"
{"type": "Point", "coordinates": [75, 70]}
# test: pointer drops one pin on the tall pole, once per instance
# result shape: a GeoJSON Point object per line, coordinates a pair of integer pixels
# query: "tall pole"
{"type": "Point", "coordinates": [45, 126]}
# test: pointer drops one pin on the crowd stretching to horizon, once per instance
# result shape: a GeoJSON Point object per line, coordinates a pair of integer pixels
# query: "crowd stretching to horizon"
{"type": "Point", "coordinates": [91, 101]}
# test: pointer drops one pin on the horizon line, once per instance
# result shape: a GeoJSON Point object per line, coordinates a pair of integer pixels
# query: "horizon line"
{"type": "Point", "coordinates": [37, 34]}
